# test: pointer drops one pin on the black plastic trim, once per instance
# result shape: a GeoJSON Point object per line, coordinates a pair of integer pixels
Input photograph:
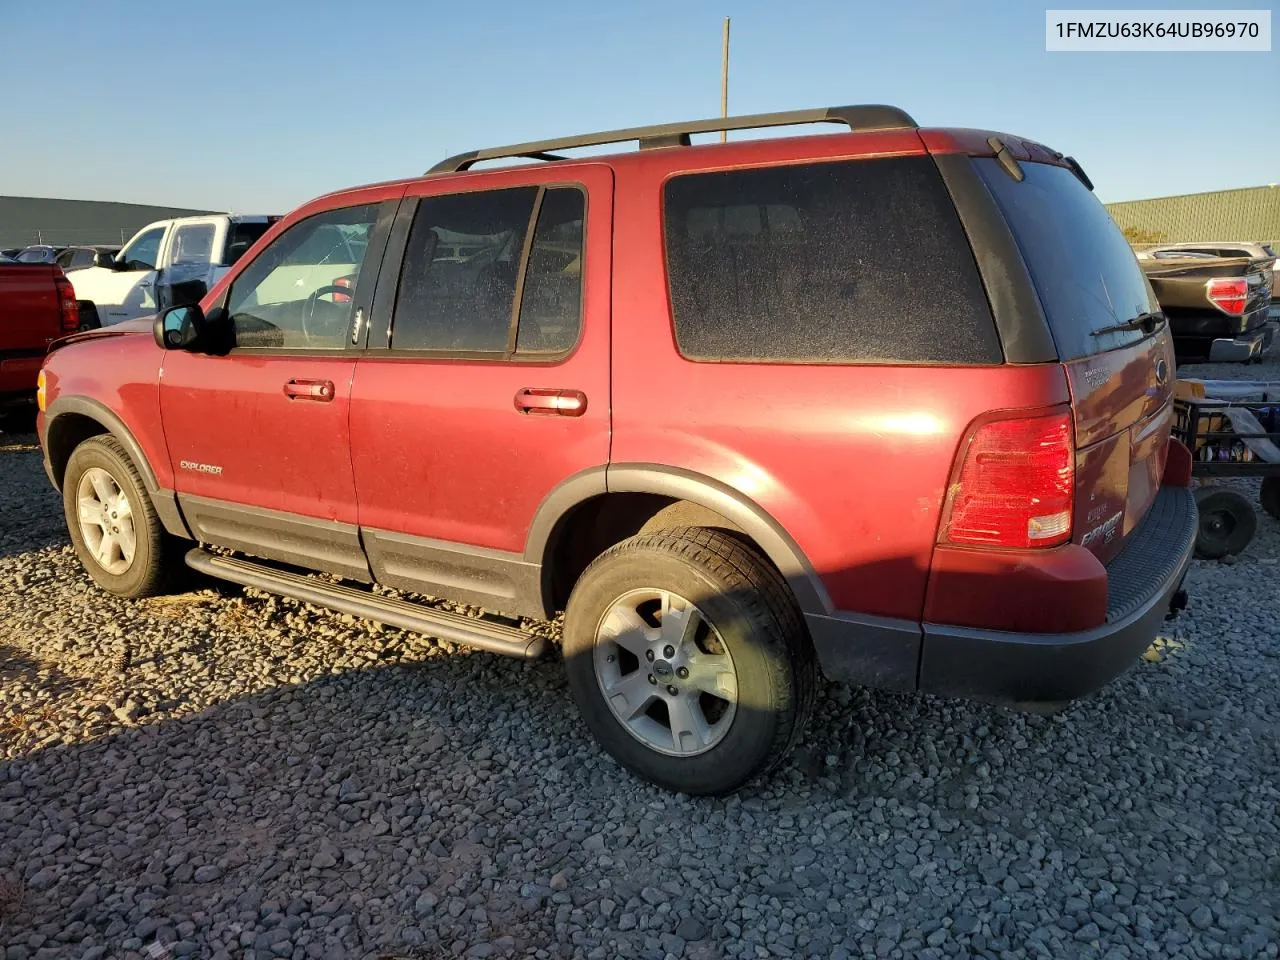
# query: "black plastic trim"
{"type": "Point", "coordinates": [471, 631]}
{"type": "Point", "coordinates": [879, 652]}
{"type": "Point", "coordinates": [162, 499]}
{"type": "Point", "coordinates": [749, 516]}
{"type": "Point", "coordinates": [309, 542]}
{"type": "Point", "coordinates": [1015, 304]}
{"type": "Point", "coordinates": [493, 579]}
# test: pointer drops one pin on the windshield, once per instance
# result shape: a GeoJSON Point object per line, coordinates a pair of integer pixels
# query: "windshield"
{"type": "Point", "coordinates": [1086, 274]}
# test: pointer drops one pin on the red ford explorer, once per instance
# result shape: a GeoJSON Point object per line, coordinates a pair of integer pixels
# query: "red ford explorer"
{"type": "Point", "coordinates": [892, 403]}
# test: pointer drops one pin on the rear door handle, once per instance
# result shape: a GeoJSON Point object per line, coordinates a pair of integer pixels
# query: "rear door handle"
{"type": "Point", "coordinates": [320, 390]}
{"type": "Point", "coordinates": [551, 401]}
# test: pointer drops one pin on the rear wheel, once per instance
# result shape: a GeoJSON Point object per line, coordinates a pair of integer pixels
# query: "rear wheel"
{"type": "Point", "coordinates": [113, 525]}
{"type": "Point", "coordinates": [1270, 496]}
{"type": "Point", "coordinates": [1227, 523]}
{"type": "Point", "coordinates": [689, 660]}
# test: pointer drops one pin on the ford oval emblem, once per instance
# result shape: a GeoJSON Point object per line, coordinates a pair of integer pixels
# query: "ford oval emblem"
{"type": "Point", "coordinates": [1162, 371]}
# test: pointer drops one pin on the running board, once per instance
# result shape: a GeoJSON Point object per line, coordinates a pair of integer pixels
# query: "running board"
{"type": "Point", "coordinates": [484, 635]}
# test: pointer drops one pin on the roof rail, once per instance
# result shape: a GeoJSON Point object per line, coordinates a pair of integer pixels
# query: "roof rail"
{"type": "Point", "coordinates": [873, 116]}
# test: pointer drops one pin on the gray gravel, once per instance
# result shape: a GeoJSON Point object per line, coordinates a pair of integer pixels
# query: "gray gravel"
{"type": "Point", "coordinates": [222, 774]}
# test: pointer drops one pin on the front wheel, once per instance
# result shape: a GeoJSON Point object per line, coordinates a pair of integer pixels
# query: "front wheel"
{"type": "Point", "coordinates": [113, 525]}
{"type": "Point", "coordinates": [689, 660]}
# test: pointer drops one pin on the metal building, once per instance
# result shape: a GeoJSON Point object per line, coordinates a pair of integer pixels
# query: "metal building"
{"type": "Point", "coordinates": [27, 220]}
{"type": "Point", "coordinates": [1250, 213]}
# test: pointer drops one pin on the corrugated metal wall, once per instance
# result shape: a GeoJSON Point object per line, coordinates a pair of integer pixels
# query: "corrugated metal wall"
{"type": "Point", "coordinates": [1251, 213]}
{"type": "Point", "coordinates": [27, 220]}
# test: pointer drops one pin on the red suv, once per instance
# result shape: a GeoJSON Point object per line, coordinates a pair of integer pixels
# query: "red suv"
{"type": "Point", "coordinates": [892, 403]}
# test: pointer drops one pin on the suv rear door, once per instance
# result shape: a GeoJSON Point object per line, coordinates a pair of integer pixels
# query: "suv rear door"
{"type": "Point", "coordinates": [1121, 380]}
{"type": "Point", "coordinates": [486, 380]}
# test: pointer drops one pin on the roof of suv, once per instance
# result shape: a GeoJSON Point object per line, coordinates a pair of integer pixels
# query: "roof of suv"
{"type": "Point", "coordinates": [862, 120]}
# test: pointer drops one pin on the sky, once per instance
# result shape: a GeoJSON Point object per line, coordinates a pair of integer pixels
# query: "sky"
{"type": "Point", "coordinates": [258, 106]}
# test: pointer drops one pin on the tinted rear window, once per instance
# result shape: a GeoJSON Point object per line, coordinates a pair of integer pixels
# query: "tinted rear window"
{"type": "Point", "coordinates": [1084, 270]}
{"type": "Point", "coordinates": [842, 262]}
{"type": "Point", "coordinates": [241, 236]}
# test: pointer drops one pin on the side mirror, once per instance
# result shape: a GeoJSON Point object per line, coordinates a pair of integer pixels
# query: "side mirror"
{"type": "Point", "coordinates": [179, 328]}
{"type": "Point", "coordinates": [103, 259]}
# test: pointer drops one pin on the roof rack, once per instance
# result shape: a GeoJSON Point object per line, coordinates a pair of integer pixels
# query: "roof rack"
{"type": "Point", "coordinates": [873, 116]}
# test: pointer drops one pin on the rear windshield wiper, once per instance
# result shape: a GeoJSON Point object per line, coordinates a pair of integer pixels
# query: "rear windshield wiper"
{"type": "Point", "coordinates": [1146, 322]}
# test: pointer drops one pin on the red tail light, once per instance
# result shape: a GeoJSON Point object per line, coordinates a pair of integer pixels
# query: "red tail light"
{"type": "Point", "coordinates": [1229, 294]}
{"type": "Point", "coordinates": [1015, 485]}
{"type": "Point", "coordinates": [68, 308]}
{"type": "Point", "coordinates": [342, 297]}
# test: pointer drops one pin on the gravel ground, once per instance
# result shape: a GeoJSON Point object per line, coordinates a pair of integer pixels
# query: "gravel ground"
{"type": "Point", "coordinates": [226, 774]}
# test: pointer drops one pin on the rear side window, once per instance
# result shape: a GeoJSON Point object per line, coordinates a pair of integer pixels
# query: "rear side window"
{"type": "Point", "coordinates": [1084, 270]}
{"type": "Point", "coordinates": [466, 286]}
{"type": "Point", "coordinates": [847, 262]}
{"type": "Point", "coordinates": [241, 236]}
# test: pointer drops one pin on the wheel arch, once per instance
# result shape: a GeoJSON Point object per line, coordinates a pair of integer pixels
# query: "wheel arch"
{"type": "Point", "coordinates": [70, 420]}
{"type": "Point", "coordinates": [657, 490]}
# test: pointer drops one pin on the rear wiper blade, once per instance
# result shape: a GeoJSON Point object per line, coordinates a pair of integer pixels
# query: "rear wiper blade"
{"type": "Point", "coordinates": [1146, 322]}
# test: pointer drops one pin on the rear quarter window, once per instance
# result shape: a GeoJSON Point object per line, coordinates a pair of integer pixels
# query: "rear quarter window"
{"type": "Point", "coordinates": [1084, 270]}
{"type": "Point", "coordinates": [859, 261]}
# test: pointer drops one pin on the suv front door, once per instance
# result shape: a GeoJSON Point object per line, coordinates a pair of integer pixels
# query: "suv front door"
{"type": "Point", "coordinates": [491, 387]}
{"type": "Point", "coordinates": [258, 436]}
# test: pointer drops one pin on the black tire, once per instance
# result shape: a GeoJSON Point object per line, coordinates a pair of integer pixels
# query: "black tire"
{"type": "Point", "coordinates": [1269, 496]}
{"type": "Point", "coordinates": [1227, 523]}
{"type": "Point", "coordinates": [750, 605]}
{"type": "Point", "coordinates": [149, 571]}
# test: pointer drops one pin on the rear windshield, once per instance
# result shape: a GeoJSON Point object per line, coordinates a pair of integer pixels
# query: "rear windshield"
{"type": "Point", "coordinates": [1083, 268]}
{"type": "Point", "coordinates": [860, 261]}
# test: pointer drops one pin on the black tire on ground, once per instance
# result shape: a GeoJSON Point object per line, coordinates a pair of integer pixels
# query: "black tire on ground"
{"type": "Point", "coordinates": [155, 553]}
{"type": "Point", "coordinates": [742, 597]}
{"type": "Point", "coordinates": [1270, 496]}
{"type": "Point", "coordinates": [1227, 523]}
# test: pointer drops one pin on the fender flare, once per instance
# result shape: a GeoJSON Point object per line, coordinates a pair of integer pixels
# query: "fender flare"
{"type": "Point", "coordinates": [164, 501]}
{"type": "Point", "coordinates": [680, 484]}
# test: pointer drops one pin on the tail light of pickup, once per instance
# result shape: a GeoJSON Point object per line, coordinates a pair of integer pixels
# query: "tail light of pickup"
{"type": "Point", "coordinates": [68, 306]}
{"type": "Point", "coordinates": [1228, 294]}
{"type": "Point", "coordinates": [1014, 486]}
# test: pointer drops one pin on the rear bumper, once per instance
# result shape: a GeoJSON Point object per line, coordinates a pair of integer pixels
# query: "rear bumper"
{"type": "Point", "coordinates": [1142, 581]}
{"type": "Point", "coordinates": [1247, 346]}
{"type": "Point", "coordinates": [1024, 667]}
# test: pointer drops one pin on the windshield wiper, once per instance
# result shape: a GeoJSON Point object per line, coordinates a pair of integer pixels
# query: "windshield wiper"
{"type": "Point", "coordinates": [1146, 322]}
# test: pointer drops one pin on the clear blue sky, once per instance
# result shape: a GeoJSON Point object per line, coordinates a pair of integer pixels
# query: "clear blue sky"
{"type": "Point", "coordinates": [257, 106]}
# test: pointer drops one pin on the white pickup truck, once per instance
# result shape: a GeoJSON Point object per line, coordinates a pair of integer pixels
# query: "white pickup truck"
{"type": "Point", "coordinates": [164, 263]}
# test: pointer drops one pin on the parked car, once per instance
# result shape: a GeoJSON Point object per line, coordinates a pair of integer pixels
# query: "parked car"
{"type": "Point", "coordinates": [78, 258]}
{"type": "Point", "coordinates": [1254, 251]}
{"type": "Point", "coordinates": [167, 262]}
{"type": "Point", "coordinates": [706, 400]}
{"type": "Point", "coordinates": [1217, 306]}
{"type": "Point", "coordinates": [37, 305]}
{"type": "Point", "coordinates": [37, 253]}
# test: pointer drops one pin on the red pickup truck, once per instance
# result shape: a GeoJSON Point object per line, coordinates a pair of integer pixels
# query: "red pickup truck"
{"type": "Point", "coordinates": [37, 305]}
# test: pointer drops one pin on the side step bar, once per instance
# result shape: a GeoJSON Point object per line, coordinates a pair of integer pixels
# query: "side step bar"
{"type": "Point", "coordinates": [482, 634]}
